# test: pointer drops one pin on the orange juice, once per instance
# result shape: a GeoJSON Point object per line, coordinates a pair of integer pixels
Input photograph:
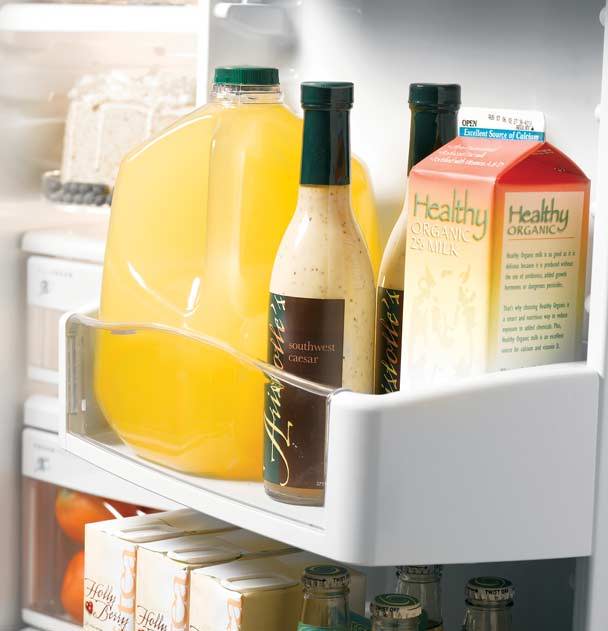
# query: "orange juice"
{"type": "Point", "coordinates": [197, 217]}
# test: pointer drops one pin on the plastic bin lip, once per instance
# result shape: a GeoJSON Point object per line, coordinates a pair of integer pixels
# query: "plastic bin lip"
{"type": "Point", "coordinates": [274, 373]}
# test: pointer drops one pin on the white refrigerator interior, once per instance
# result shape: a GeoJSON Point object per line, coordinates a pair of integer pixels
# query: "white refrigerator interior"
{"type": "Point", "coordinates": [44, 50]}
{"type": "Point", "coordinates": [383, 453]}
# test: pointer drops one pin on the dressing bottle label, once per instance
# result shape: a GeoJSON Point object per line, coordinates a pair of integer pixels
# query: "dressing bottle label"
{"type": "Point", "coordinates": [388, 340]}
{"type": "Point", "coordinates": [306, 337]}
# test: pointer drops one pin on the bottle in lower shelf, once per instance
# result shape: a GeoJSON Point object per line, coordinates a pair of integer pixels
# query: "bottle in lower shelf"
{"type": "Point", "coordinates": [424, 583]}
{"type": "Point", "coordinates": [326, 606]}
{"type": "Point", "coordinates": [396, 612]}
{"type": "Point", "coordinates": [489, 603]}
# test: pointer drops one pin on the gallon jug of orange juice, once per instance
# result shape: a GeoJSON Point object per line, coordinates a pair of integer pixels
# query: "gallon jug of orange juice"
{"type": "Point", "coordinates": [197, 216]}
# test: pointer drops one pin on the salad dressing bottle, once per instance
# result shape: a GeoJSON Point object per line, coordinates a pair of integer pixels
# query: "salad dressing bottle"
{"type": "Point", "coordinates": [321, 312]}
{"type": "Point", "coordinates": [395, 612]}
{"type": "Point", "coordinates": [423, 582]}
{"type": "Point", "coordinates": [434, 122]}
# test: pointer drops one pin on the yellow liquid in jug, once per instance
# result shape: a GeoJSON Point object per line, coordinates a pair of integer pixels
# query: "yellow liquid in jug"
{"type": "Point", "coordinates": [197, 217]}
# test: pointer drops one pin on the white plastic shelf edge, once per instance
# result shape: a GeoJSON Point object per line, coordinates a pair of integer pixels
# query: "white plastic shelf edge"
{"type": "Point", "coordinates": [42, 458]}
{"type": "Point", "coordinates": [55, 17]}
{"type": "Point", "coordinates": [496, 468]}
{"type": "Point", "coordinates": [45, 622]}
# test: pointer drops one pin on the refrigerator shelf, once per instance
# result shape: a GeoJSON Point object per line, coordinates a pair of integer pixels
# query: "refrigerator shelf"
{"type": "Point", "coordinates": [440, 476]}
{"type": "Point", "coordinates": [49, 17]}
{"type": "Point", "coordinates": [42, 458]}
{"type": "Point", "coordinates": [44, 622]}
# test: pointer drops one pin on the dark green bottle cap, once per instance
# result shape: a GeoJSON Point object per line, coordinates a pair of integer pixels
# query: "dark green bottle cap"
{"type": "Point", "coordinates": [395, 607]}
{"type": "Point", "coordinates": [489, 589]}
{"type": "Point", "coordinates": [246, 75]}
{"type": "Point", "coordinates": [327, 95]}
{"type": "Point", "coordinates": [444, 95]}
{"type": "Point", "coordinates": [325, 576]}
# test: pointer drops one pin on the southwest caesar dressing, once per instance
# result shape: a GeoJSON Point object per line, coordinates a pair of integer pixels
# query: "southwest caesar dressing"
{"type": "Point", "coordinates": [321, 306]}
{"type": "Point", "coordinates": [323, 256]}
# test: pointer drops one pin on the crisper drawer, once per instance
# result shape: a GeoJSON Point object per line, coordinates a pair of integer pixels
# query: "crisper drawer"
{"type": "Point", "coordinates": [499, 467]}
{"type": "Point", "coordinates": [60, 494]}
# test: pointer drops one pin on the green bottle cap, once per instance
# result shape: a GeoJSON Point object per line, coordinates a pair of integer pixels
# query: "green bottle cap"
{"type": "Point", "coordinates": [395, 607]}
{"type": "Point", "coordinates": [325, 576]}
{"type": "Point", "coordinates": [442, 95]}
{"type": "Point", "coordinates": [246, 75]}
{"type": "Point", "coordinates": [420, 570]}
{"type": "Point", "coordinates": [489, 589]}
{"type": "Point", "coordinates": [327, 95]}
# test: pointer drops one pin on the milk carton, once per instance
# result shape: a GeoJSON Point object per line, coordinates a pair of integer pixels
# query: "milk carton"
{"type": "Point", "coordinates": [111, 562]}
{"type": "Point", "coordinates": [164, 568]}
{"type": "Point", "coordinates": [495, 260]}
{"type": "Point", "coordinates": [256, 594]}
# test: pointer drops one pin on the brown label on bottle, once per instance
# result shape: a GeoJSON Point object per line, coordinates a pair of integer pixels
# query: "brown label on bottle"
{"type": "Point", "coordinates": [388, 340]}
{"type": "Point", "coordinates": [306, 337]}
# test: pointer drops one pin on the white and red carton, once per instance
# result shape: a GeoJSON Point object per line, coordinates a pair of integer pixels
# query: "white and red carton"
{"type": "Point", "coordinates": [111, 562]}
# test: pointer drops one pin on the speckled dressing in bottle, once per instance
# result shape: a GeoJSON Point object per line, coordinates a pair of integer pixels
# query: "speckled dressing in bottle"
{"type": "Point", "coordinates": [322, 302]}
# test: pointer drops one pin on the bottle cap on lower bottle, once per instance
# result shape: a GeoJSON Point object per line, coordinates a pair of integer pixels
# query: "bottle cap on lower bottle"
{"type": "Point", "coordinates": [420, 570]}
{"type": "Point", "coordinates": [326, 576]}
{"type": "Point", "coordinates": [489, 589]}
{"type": "Point", "coordinates": [395, 606]}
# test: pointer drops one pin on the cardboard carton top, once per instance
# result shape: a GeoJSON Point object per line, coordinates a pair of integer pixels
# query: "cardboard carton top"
{"type": "Point", "coordinates": [144, 528]}
{"type": "Point", "coordinates": [475, 157]}
{"type": "Point", "coordinates": [205, 549]}
{"type": "Point", "coordinates": [505, 161]}
{"type": "Point", "coordinates": [271, 572]}
{"type": "Point", "coordinates": [251, 575]}
{"type": "Point", "coordinates": [275, 572]}
{"type": "Point", "coordinates": [544, 164]}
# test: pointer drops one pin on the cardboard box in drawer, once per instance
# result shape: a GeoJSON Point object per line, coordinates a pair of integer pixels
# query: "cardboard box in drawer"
{"type": "Point", "coordinates": [111, 561]}
{"type": "Point", "coordinates": [164, 568]}
{"type": "Point", "coordinates": [255, 594]}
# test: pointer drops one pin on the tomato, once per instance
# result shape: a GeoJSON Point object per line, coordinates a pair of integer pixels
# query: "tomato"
{"type": "Point", "coordinates": [73, 510]}
{"type": "Point", "coordinates": [72, 588]}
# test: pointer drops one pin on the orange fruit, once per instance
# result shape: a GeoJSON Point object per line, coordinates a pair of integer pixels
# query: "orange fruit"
{"type": "Point", "coordinates": [73, 510]}
{"type": "Point", "coordinates": [72, 587]}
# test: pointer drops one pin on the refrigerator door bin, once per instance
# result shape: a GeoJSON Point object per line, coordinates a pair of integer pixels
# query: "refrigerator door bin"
{"type": "Point", "coordinates": [439, 476]}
